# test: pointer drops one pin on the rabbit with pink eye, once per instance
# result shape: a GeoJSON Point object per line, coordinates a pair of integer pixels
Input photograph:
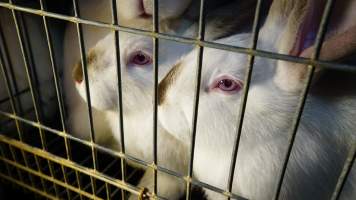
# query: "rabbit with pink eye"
{"type": "Point", "coordinates": [137, 13]}
{"type": "Point", "coordinates": [130, 13]}
{"type": "Point", "coordinates": [137, 90]}
{"type": "Point", "coordinates": [326, 133]}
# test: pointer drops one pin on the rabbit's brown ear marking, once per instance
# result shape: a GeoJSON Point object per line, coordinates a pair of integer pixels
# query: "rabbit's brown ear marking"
{"type": "Point", "coordinates": [78, 72]}
{"type": "Point", "coordinates": [167, 81]}
{"type": "Point", "coordinates": [92, 56]}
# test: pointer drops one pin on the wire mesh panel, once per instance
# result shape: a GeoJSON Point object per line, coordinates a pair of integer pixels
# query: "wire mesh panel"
{"type": "Point", "coordinates": [39, 154]}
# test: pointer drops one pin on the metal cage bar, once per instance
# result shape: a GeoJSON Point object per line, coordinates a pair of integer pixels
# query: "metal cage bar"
{"type": "Point", "coordinates": [28, 73]}
{"type": "Point", "coordinates": [13, 108]}
{"type": "Point", "coordinates": [185, 40]}
{"type": "Point", "coordinates": [242, 108]}
{"type": "Point", "coordinates": [201, 34]}
{"type": "Point", "coordinates": [119, 81]}
{"type": "Point", "coordinates": [67, 163]}
{"type": "Point", "coordinates": [350, 161]}
{"type": "Point", "coordinates": [87, 89]}
{"type": "Point", "coordinates": [155, 29]}
{"type": "Point", "coordinates": [199, 41]}
{"type": "Point", "coordinates": [10, 93]}
{"type": "Point", "coordinates": [57, 87]}
{"type": "Point", "coordinates": [304, 93]}
{"type": "Point", "coordinates": [55, 78]}
{"type": "Point", "coordinates": [12, 74]}
{"type": "Point", "coordinates": [124, 156]}
{"type": "Point", "coordinates": [28, 61]}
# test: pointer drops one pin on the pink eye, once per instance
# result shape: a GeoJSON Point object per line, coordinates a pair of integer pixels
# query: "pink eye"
{"type": "Point", "coordinates": [140, 58]}
{"type": "Point", "coordinates": [227, 85]}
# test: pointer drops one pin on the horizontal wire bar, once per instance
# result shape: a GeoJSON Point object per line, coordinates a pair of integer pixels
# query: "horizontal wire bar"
{"type": "Point", "coordinates": [266, 54]}
{"type": "Point", "coordinates": [28, 187]}
{"type": "Point", "coordinates": [114, 153]}
{"type": "Point", "coordinates": [48, 178]}
{"type": "Point", "coordinates": [67, 163]}
{"type": "Point", "coordinates": [259, 53]}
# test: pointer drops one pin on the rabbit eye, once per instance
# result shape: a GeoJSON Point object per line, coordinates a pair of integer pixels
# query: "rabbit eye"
{"type": "Point", "coordinates": [227, 85]}
{"type": "Point", "coordinates": [140, 58]}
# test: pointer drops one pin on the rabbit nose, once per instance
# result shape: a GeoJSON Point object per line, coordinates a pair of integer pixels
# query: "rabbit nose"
{"type": "Point", "coordinates": [78, 73]}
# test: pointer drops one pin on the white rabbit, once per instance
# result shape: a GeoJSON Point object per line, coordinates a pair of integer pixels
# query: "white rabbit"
{"type": "Point", "coordinates": [40, 68]}
{"type": "Point", "coordinates": [137, 90]}
{"type": "Point", "coordinates": [325, 135]}
{"type": "Point", "coordinates": [131, 13]}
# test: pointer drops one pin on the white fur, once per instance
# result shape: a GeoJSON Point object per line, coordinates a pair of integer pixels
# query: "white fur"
{"type": "Point", "coordinates": [129, 15]}
{"type": "Point", "coordinates": [314, 166]}
{"type": "Point", "coordinates": [325, 135]}
{"type": "Point", "coordinates": [137, 91]}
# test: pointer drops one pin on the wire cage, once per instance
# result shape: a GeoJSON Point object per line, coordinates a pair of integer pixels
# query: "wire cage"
{"type": "Point", "coordinates": [49, 162]}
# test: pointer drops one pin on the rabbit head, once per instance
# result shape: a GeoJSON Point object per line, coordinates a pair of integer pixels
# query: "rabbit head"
{"type": "Point", "coordinates": [102, 72]}
{"type": "Point", "coordinates": [136, 54]}
{"type": "Point", "coordinates": [221, 89]}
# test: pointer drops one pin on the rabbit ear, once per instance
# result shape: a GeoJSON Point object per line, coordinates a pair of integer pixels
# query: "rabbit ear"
{"type": "Point", "coordinates": [299, 31]}
{"type": "Point", "coordinates": [298, 38]}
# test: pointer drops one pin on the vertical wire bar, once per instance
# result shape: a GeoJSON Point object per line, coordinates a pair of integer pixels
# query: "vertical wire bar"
{"type": "Point", "coordinates": [242, 108]}
{"type": "Point", "coordinates": [155, 93]}
{"type": "Point", "coordinates": [44, 188]}
{"type": "Point", "coordinates": [28, 165]}
{"type": "Point", "coordinates": [13, 80]}
{"type": "Point", "coordinates": [66, 181]}
{"type": "Point", "coordinates": [86, 80]}
{"type": "Point", "coordinates": [79, 184]}
{"type": "Point", "coordinates": [58, 93]}
{"type": "Point", "coordinates": [87, 89]}
{"type": "Point", "coordinates": [108, 191]}
{"type": "Point", "coordinates": [28, 73]}
{"type": "Point", "coordinates": [6, 164]}
{"type": "Point", "coordinates": [345, 173]}
{"type": "Point", "coordinates": [15, 159]}
{"type": "Point", "coordinates": [8, 87]}
{"type": "Point", "coordinates": [8, 168]}
{"type": "Point", "coordinates": [11, 97]}
{"type": "Point", "coordinates": [93, 186]}
{"type": "Point", "coordinates": [119, 81]}
{"type": "Point", "coordinates": [34, 93]}
{"type": "Point", "coordinates": [56, 81]}
{"type": "Point", "coordinates": [201, 35]}
{"type": "Point", "coordinates": [27, 46]}
{"type": "Point", "coordinates": [302, 100]}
